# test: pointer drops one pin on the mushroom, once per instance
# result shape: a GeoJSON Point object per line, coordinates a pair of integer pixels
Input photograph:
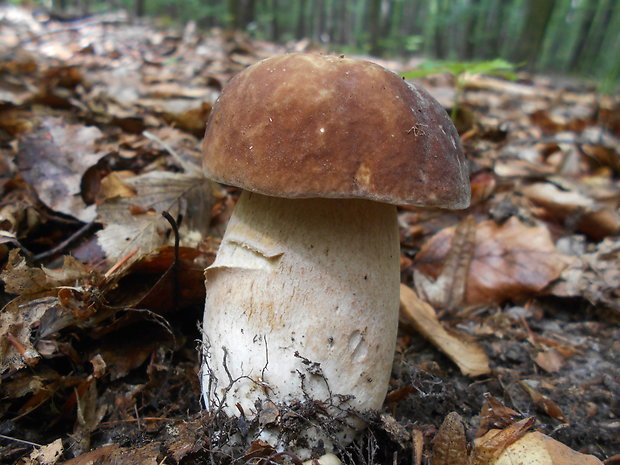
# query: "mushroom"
{"type": "Point", "coordinates": [302, 298]}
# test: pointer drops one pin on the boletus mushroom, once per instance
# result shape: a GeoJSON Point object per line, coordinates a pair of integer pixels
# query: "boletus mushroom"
{"type": "Point", "coordinates": [302, 299]}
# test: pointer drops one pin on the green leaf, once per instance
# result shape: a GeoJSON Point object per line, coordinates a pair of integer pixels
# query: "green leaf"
{"type": "Point", "coordinates": [498, 66]}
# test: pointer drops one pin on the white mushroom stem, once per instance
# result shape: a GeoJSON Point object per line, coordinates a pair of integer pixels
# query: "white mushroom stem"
{"type": "Point", "coordinates": [314, 277]}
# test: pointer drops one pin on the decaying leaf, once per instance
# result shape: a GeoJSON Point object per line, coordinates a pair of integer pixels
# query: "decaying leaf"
{"type": "Point", "coordinates": [550, 360]}
{"type": "Point", "coordinates": [450, 444]}
{"type": "Point", "coordinates": [510, 261]}
{"type": "Point", "coordinates": [593, 275]}
{"type": "Point", "coordinates": [45, 455]}
{"type": "Point", "coordinates": [447, 290]}
{"type": "Point", "coordinates": [16, 325]}
{"type": "Point", "coordinates": [538, 449]}
{"type": "Point", "coordinates": [490, 446]}
{"type": "Point", "coordinates": [572, 206]}
{"type": "Point", "coordinates": [112, 454]}
{"type": "Point", "coordinates": [135, 222]}
{"type": "Point", "coordinates": [38, 306]}
{"type": "Point", "coordinates": [468, 355]}
{"type": "Point", "coordinates": [20, 278]}
{"type": "Point", "coordinates": [544, 403]}
{"type": "Point", "coordinates": [53, 158]}
{"type": "Point", "coordinates": [89, 414]}
{"type": "Point", "coordinates": [417, 443]}
{"type": "Point", "coordinates": [494, 415]}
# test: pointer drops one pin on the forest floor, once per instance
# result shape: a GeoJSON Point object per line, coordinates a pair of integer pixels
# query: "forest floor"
{"type": "Point", "coordinates": [100, 128]}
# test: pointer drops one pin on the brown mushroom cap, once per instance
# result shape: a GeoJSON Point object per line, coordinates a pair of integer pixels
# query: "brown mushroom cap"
{"type": "Point", "coordinates": [306, 125]}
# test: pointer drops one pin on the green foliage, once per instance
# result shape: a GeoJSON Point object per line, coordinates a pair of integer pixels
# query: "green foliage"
{"type": "Point", "coordinates": [498, 67]}
{"type": "Point", "coordinates": [560, 36]}
{"type": "Point", "coordinates": [413, 43]}
{"type": "Point", "coordinates": [459, 69]}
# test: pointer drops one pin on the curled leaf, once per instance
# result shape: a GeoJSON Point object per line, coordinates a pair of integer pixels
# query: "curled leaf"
{"type": "Point", "coordinates": [509, 261]}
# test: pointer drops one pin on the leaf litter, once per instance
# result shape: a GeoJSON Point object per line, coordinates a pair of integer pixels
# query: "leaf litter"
{"type": "Point", "coordinates": [517, 297]}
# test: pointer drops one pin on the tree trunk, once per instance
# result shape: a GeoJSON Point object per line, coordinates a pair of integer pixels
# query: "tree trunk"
{"type": "Point", "coordinates": [301, 20]}
{"type": "Point", "coordinates": [138, 8]}
{"type": "Point", "coordinates": [533, 31]}
{"type": "Point", "coordinates": [275, 29]}
{"type": "Point", "coordinates": [374, 26]}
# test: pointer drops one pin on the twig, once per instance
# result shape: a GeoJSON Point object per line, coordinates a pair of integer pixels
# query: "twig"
{"type": "Point", "coordinates": [134, 420]}
{"type": "Point", "coordinates": [174, 268]}
{"type": "Point", "coordinates": [120, 263]}
{"type": "Point", "coordinates": [8, 438]}
{"type": "Point", "coordinates": [64, 244]}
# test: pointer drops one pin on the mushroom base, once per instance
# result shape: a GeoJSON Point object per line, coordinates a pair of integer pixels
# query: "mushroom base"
{"type": "Point", "coordinates": [302, 310]}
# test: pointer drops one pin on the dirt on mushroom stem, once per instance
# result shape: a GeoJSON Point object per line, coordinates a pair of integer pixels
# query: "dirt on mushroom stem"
{"type": "Point", "coordinates": [302, 304]}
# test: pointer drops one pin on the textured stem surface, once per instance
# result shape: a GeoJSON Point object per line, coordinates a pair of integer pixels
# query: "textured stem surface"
{"type": "Point", "coordinates": [314, 277]}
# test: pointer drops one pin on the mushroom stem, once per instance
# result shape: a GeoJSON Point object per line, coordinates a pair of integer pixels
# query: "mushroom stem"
{"type": "Point", "coordinates": [300, 282]}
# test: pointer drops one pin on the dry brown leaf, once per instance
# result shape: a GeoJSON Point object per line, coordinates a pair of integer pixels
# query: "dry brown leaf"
{"type": "Point", "coordinates": [185, 438]}
{"type": "Point", "coordinates": [88, 415]}
{"type": "Point", "coordinates": [562, 205]}
{"type": "Point", "coordinates": [113, 186]}
{"type": "Point", "coordinates": [594, 276]}
{"type": "Point", "coordinates": [450, 444]}
{"type": "Point", "coordinates": [95, 456]}
{"type": "Point", "coordinates": [16, 325]}
{"type": "Point", "coordinates": [490, 446]}
{"type": "Point", "coordinates": [53, 157]}
{"type": "Point", "coordinates": [447, 290]}
{"type": "Point", "coordinates": [550, 360]}
{"type": "Point", "coordinates": [112, 454]}
{"type": "Point", "coordinates": [469, 356]}
{"type": "Point", "coordinates": [510, 261]}
{"type": "Point", "coordinates": [21, 278]}
{"type": "Point", "coordinates": [494, 415]}
{"type": "Point", "coordinates": [45, 455]}
{"type": "Point", "coordinates": [538, 449]}
{"type": "Point", "coordinates": [417, 443]}
{"type": "Point", "coordinates": [38, 297]}
{"type": "Point", "coordinates": [135, 223]}
{"type": "Point", "coordinates": [545, 404]}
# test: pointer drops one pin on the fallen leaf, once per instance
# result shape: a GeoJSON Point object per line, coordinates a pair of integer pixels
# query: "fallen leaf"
{"type": "Point", "coordinates": [45, 455]}
{"type": "Point", "coordinates": [593, 275]}
{"type": "Point", "coordinates": [185, 197]}
{"type": "Point", "coordinates": [539, 449]}
{"type": "Point", "coordinates": [88, 414]}
{"type": "Point", "coordinates": [468, 355]}
{"type": "Point", "coordinates": [563, 205]}
{"type": "Point", "coordinates": [447, 290]}
{"type": "Point", "coordinates": [546, 405]}
{"type": "Point", "coordinates": [494, 415]}
{"type": "Point", "coordinates": [450, 444]}
{"type": "Point", "coordinates": [510, 261]}
{"type": "Point", "coordinates": [490, 446]}
{"type": "Point", "coordinates": [549, 360]}
{"type": "Point", "coordinates": [53, 157]}
{"type": "Point", "coordinates": [98, 456]}
{"type": "Point", "coordinates": [112, 454]}
{"type": "Point", "coordinates": [417, 442]}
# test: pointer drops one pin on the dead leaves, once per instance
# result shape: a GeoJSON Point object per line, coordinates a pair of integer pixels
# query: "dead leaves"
{"type": "Point", "coordinates": [468, 355]}
{"type": "Point", "coordinates": [537, 448]}
{"type": "Point", "coordinates": [508, 446]}
{"type": "Point", "coordinates": [132, 213]}
{"type": "Point", "coordinates": [502, 262]}
{"type": "Point", "coordinates": [593, 274]}
{"type": "Point", "coordinates": [53, 157]}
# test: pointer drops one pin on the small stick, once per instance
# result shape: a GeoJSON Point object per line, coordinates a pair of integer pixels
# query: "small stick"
{"type": "Point", "coordinates": [64, 244]}
{"type": "Point", "coordinates": [120, 263]}
{"type": "Point", "coordinates": [8, 438]}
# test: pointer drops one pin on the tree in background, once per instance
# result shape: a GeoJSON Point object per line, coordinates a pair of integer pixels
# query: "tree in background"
{"type": "Point", "coordinates": [568, 36]}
